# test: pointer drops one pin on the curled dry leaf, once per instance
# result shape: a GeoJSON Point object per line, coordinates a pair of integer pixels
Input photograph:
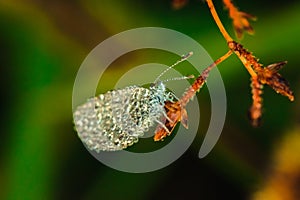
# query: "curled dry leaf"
{"type": "Point", "coordinates": [269, 75]}
{"type": "Point", "coordinates": [240, 19]}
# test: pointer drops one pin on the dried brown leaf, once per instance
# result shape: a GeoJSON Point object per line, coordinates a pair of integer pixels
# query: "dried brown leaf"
{"type": "Point", "coordinates": [240, 19]}
{"type": "Point", "coordinates": [269, 75]}
{"type": "Point", "coordinates": [266, 75]}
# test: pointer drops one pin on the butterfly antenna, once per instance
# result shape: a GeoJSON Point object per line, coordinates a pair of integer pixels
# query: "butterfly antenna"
{"type": "Point", "coordinates": [183, 58]}
{"type": "Point", "coordinates": [179, 78]}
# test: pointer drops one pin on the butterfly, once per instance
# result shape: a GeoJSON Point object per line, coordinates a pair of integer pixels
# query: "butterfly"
{"type": "Point", "coordinates": [115, 120]}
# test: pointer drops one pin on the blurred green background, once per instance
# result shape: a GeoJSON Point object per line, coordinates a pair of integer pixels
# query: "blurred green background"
{"type": "Point", "coordinates": [43, 44]}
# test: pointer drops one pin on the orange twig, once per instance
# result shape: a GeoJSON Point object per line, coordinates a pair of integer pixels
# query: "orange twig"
{"type": "Point", "coordinates": [218, 21]}
{"type": "Point", "coordinates": [246, 57]}
{"type": "Point", "coordinates": [234, 46]}
{"type": "Point", "coordinates": [199, 82]}
{"type": "Point", "coordinates": [259, 75]}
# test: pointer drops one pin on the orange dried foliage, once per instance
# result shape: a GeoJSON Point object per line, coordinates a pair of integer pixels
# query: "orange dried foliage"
{"type": "Point", "coordinates": [259, 75]}
{"type": "Point", "coordinates": [269, 75]}
{"type": "Point", "coordinates": [255, 110]}
{"type": "Point", "coordinates": [266, 75]}
{"type": "Point", "coordinates": [240, 19]}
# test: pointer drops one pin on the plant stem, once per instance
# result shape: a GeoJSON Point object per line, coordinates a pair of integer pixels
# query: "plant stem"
{"type": "Point", "coordinates": [218, 21]}
{"type": "Point", "coordinates": [199, 82]}
{"type": "Point", "coordinates": [230, 42]}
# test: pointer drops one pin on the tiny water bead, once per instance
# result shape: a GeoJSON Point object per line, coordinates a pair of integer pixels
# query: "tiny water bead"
{"type": "Point", "coordinates": [115, 120]}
